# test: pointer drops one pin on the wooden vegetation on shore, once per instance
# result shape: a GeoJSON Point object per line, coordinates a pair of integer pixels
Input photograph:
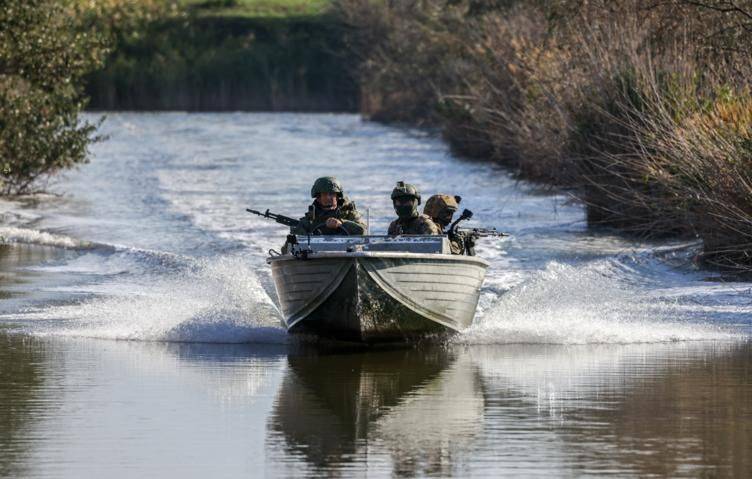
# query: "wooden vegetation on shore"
{"type": "Point", "coordinates": [45, 49]}
{"type": "Point", "coordinates": [229, 55]}
{"type": "Point", "coordinates": [643, 107]}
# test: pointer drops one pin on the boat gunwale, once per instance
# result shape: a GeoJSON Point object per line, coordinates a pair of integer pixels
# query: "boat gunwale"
{"type": "Point", "coordinates": [450, 258]}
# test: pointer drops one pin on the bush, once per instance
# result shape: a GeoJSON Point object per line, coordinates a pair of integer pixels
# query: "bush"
{"type": "Point", "coordinates": [228, 56]}
{"type": "Point", "coordinates": [642, 106]}
{"type": "Point", "coordinates": [46, 47]}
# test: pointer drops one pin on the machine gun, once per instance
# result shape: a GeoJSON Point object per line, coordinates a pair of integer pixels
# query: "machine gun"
{"type": "Point", "coordinates": [283, 220]}
{"type": "Point", "coordinates": [482, 232]}
{"type": "Point", "coordinates": [466, 215]}
{"type": "Point", "coordinates": [467, 237]}
{"type": "Point", "coordinates": [292, 240]}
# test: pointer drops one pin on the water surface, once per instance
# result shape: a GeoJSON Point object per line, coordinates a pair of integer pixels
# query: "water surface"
{"type": "Point", "coordinates": [140, 336]}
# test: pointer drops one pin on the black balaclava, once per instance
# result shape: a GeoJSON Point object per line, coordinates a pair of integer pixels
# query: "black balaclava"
{"type": "Point", "coordinates": [407, 211]}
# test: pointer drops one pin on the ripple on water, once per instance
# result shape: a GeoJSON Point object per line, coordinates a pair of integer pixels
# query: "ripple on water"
{"type": "Point", "coordinates": [152, 218]}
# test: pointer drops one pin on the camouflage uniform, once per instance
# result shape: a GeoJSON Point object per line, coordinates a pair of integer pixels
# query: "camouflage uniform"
{"type": "Point", "coordinates": [314, 222]}
{"type": "Point", "coordinates": [416, 225]}
{"type": "Point", "coordinates": [410, 222]}
{"type": "Point", "coordinates": [458, 242]}
{"type": "Point", "coordinates": [441, 208]}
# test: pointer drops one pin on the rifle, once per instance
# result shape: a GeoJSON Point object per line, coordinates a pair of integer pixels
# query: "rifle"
{"type": "Point", "coordinates": [482, 232]}
{"type": "Point", "coordinates": [283, 220]}
{"type": "Point", "coordinates": [467, 237]}
{"type": "Point", "coordinates": [466, 215]}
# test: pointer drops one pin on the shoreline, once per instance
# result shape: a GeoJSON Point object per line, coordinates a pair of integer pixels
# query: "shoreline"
{"type": "Point", "coordinates": [645, 149]}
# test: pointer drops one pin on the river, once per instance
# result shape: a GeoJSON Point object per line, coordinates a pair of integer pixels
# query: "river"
{"type": "Point", "coordinates": [140, 336]}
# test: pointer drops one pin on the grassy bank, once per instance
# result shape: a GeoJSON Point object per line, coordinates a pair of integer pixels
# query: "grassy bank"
{"type": "Point", "coordinates": [228, 55]}
{"type": "Point", "coordinates": [643, 107]}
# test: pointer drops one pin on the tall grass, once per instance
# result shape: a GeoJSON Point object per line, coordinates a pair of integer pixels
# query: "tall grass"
{"type": "Point", "coordinates": [227, 55]}
{"type": "Point", "coordinates": [642, 106]}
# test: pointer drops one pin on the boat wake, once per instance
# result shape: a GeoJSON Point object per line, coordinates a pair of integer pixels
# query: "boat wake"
{"type": "Point", "coordinates": [11, 234]}
{"type": "Point", "coordinates": [604, 301]}
{"type": "Point", "coordinates": [138, 294]}
{"type": "Point", "coordinates": [153, 258]}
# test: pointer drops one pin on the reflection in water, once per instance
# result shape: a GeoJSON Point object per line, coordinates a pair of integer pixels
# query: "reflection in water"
{"type": "Point", "coordinates": [83, 408]}
{"type": "Point", "coordinates": [660, 409]}
{"type": "Point", "coordinates": [415, 408]}
{"type": "Point", "coordinates": [15, 257]}
{"type": "Point", "coordinates": [694, 413]}
{"type": "Point", "coordinates": [75, 408]}
{"type": "Point", "coordinates": [21, 283]}
{"type": "Point", "coordinates": [23, 373]}
{"type": "Point", "coordinates": [644, 409]}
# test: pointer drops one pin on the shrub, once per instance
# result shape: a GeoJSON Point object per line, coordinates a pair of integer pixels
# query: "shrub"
{"type": "Point", "coordinates": [220, 56]}
{"type": "Point", "coordinates": [643, 106]}
{"type": "Point", "coordinates": [46, 47]}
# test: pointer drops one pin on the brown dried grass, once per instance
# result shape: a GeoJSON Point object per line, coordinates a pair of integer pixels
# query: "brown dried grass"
{"type": "Point", "coordinates": [643, 105]}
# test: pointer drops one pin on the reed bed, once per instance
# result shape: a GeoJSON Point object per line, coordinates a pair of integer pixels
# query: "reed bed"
{"type": "Point", "coordinates": [641, 107]}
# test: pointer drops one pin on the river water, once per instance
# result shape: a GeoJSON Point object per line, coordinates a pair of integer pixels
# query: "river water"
{"type": "Point", "coordinates": [139, 335]}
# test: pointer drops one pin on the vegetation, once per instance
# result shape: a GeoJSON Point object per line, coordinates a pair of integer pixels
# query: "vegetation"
{"type": "Point", "coordinates": [229, 55]}
{"type": "Point", "coordinates": [256, 8]}
{"type": "Point", "coordinates": [45, 48]}
{"type": "Point", "coordinates": [642, 106]}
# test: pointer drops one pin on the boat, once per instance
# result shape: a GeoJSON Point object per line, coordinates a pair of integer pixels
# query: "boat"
{"type": "Point", "coordinates": [376, 288]}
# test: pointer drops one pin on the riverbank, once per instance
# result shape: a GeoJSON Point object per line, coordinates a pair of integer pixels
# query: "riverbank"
{"type": "Point", "coordinates": [637, 109]}
{"type": "Point", "coordinates": [643, 110]}
{"type": "Point", "coordinates": [228, 56]}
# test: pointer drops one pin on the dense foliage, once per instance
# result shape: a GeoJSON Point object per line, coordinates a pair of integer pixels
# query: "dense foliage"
{"type": "Point", "coordinates": [46, 47]}
{"type": "Point", "coordinates": [274, 55]}
{"type": "Point", "coordinates": [643, 106]}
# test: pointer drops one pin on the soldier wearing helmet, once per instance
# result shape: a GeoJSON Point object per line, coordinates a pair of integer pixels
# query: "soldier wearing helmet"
{"type": "Point", "coordinates": [441, 209]}
{"type": "Point", "coordinates": [331, 212]}
{"type": "Point", "coordinates": [406, 198]}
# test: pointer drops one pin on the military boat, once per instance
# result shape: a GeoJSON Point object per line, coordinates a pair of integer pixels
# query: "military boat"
{"type": "Point", "coordinates": [375, 288]}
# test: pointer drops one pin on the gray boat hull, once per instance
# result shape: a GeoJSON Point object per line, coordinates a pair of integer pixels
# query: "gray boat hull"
{"type": "Point", "coordinates": [376, 297]}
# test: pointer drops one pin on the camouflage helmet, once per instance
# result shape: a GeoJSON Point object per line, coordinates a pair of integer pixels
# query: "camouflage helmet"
{"type": "Point", "coordinates": [326, 184]}
{"type": "Point", "coordinates": [403, 190]}
{"type": "Point", "coordinates": [438, 203]}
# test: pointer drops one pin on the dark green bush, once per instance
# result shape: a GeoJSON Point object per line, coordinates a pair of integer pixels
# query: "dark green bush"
{"type": "Point", "coordinates": [188, 61]}
{"type": "Point", "coordinates": [46, 47]}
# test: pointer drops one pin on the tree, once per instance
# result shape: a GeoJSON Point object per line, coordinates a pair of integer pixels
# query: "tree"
{"type": "Point", "coordinates": [46, 47]}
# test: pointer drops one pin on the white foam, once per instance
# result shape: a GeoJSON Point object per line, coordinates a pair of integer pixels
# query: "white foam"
{"type": "Point", "coordinates": [218, 301]}
{"type": "Point", "coordinates": [148, 258]}
{"type": "Point", "coordinates": [32, 236]}
{"type": "Point", "coordinates": [586, 304]}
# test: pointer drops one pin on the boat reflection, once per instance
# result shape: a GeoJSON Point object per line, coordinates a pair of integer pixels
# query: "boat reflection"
{"type": "Point", "coordinates": [415, 409]}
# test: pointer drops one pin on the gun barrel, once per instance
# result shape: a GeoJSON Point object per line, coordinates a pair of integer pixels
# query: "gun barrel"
{"type": "Point", "coordinates": [484, 232]}
{"type": "Point", "coordinates": [488, 232]}
{"type": "Point", "coordinates": [283, 220]}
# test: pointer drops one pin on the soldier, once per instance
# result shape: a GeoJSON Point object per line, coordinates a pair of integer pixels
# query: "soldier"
{"type": "Point", "coordinates": [406, 198]}
{"type": "Point", "coordinates": [331, 212]}
{"type": "Point", "coordinates": [441, 209]}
